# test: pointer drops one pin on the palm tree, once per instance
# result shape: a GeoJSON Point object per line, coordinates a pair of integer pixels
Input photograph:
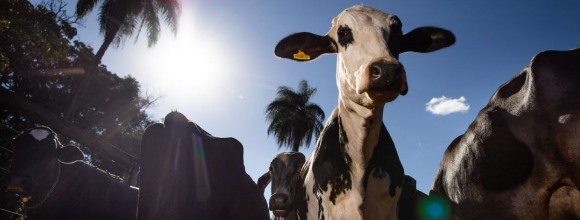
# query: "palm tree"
{"type": "Point", "coordinates": [293, 119]}
{"type": "Point", "coordinates": [118, 20]}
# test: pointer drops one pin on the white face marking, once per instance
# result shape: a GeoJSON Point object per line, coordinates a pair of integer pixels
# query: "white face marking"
{"type": "Point", "coordinates": [39, 134]}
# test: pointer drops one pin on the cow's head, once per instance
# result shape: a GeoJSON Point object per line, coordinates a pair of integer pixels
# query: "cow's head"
{"type": "Point", "coordinates": [35, 162]}
{"type": "Point", "coordinates": [368, 43]}
{"type": "Point", "coordinates": [284, 174]}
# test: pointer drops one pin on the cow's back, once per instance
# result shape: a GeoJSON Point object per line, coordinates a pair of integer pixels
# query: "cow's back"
{"type": "Point", "coordinates": [187, 172]}
{"type": "Point", "coordinates": [83, 192]}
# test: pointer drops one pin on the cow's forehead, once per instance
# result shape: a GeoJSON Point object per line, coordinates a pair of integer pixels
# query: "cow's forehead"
{"type": "Point", "coordinates": [360, 15]}
{"type": "Point", "coordinates": [289, 159]}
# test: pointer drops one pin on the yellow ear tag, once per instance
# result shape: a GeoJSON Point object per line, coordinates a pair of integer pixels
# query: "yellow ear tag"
{"type": "Point", "coordinates": [301, 56]}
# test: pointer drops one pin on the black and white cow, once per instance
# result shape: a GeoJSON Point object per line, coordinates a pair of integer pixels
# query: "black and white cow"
{"type": "Point", "coordinates": [284, 173]}
{"type": "Point", "coordinates": [354, 171]}
{"type": "Point", "coordinates": [186, 173]}
{"type": "Point", "coordinates": [56, 185]}
{"type": "Point", "coordinates": [520, 157]}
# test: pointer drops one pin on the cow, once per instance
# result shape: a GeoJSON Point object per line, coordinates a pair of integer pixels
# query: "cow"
{"type": "Point", "coordinates": [354, 171]}
{"type": "Point", "coordinates": [55, 184]}
{"type": "Point", "coordinates": [410, 200]}
{"type": "Point", "coordinates": [520, 157]}
{"type": "Point", "coordinates": [284, 173]}
{"type": "Point", "coordinates": [188, 173]}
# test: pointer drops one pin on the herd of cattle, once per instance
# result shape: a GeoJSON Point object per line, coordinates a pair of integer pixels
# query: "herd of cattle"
{"type": "Point", "coordinates": [519, 159]}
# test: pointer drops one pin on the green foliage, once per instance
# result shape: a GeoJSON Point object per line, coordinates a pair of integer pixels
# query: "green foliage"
{"type": "Point", "coordinates": [293, 118]}
{"type": "Point", "coordinates": [47, 68]}
{"type": "Point", "coordinates": [40, 61]}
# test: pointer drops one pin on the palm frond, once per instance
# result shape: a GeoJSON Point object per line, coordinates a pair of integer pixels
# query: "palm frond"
{"type": "Point", "coordinates": [171, 10]}
{"type": "Point", "coordinates": [84, 7]}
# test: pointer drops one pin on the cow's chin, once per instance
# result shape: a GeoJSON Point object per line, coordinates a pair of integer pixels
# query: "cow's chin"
{"type": "Point", "coordinates": [280, 213]}
{"type": "Point", "coordinates": [382, 96]}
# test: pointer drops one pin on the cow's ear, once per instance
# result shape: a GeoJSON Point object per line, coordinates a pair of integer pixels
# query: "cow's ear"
{"type": "Point", "coordinates": [426, 39]}
{"type": "Point", "coordinates": [304, 46]}
{"type": "Point", "coordinates": [263, 181]}
{"type": "Point", "coordinates": [69, 154]}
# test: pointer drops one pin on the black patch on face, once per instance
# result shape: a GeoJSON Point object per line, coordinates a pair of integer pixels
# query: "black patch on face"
{"type": "Point", "coordinates": [393, 37]}
{"type": "Point", "coordinates": [332, 164]}
{"type": "Point", "coordinates": [345, 37]}
{"type": "Point", "coordinates": [385, 159]}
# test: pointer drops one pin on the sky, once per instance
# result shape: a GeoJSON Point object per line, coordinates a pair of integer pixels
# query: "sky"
{"type": "Point", "coordinates": [220, 70]}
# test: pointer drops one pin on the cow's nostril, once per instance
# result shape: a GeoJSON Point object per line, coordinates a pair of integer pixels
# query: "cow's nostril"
{"type": "Point", "coordinates": [375, 71]}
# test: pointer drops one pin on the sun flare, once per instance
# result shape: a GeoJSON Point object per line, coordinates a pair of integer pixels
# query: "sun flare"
{"type": "Point", "coordinates": [192, 62]}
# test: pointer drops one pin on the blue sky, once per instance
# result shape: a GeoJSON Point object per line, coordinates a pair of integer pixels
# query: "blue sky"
{"type": "Point", "coordinates": [220, 70]}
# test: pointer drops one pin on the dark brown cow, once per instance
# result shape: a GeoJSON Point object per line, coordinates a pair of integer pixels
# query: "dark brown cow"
{"type": "Point", "coordinates": [186, 173]}
{"type": "Point", "coordinates": [284, 173]}
{"type": "Point", "coordinates": [57, 185]}
{"type": "Point", "coordinates": [410, 200]}
{"type": "Point", "coordinates": [520, 158]}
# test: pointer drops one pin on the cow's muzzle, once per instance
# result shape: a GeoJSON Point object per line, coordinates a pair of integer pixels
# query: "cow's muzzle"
{"type": "Point", "coordinates": [385, 75]}
{"type": "Point", "coordinates": [383, 80]}
{"type": "Point", "coordinates": [280, 204]}
{"type": "Point", "coordinates": [17, 184]}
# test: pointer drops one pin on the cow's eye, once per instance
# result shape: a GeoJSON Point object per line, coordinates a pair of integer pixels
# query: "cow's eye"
{"type": "Point", "coordinates": [344, 36]}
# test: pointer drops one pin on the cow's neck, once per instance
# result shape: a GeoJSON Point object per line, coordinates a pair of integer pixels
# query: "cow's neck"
{"type": "Point", "coordinates": [362, 126]}
{"type": "Point", "coordinates": [48, 189]}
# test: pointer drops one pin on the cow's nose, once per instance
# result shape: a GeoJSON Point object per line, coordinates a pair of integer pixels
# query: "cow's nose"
{"type": "Point", "coordinates": [279, 201]}
{"type": "Point", "coordinates": [380, 71]}
{"type": "Point", "coordinates": [280, 205]}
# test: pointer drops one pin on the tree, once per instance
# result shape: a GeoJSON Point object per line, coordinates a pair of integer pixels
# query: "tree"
{"type": "Point", "coordinates": [293, 118]}
{"type": "Point", "coordinates": [119, 20]}
{"type": "Point", "coordinates": [39, 72]}
{"type": "Point", "coordinates": [40, 75]}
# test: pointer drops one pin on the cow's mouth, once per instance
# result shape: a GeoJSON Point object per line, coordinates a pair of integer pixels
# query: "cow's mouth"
{"type": "Point", "coordinates": [26, 198]}
{"type": "Point", "coordinates": [383, 95]}
{"type": "Point", "coordinates": [280, 213]}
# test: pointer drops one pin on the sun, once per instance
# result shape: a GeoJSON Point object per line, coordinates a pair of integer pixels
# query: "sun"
{"type": "Point", "coordinates": [193, 62]}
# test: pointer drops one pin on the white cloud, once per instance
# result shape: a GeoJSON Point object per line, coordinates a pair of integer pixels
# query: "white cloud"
{"type": "Point", "coordinates": [445, 106]}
